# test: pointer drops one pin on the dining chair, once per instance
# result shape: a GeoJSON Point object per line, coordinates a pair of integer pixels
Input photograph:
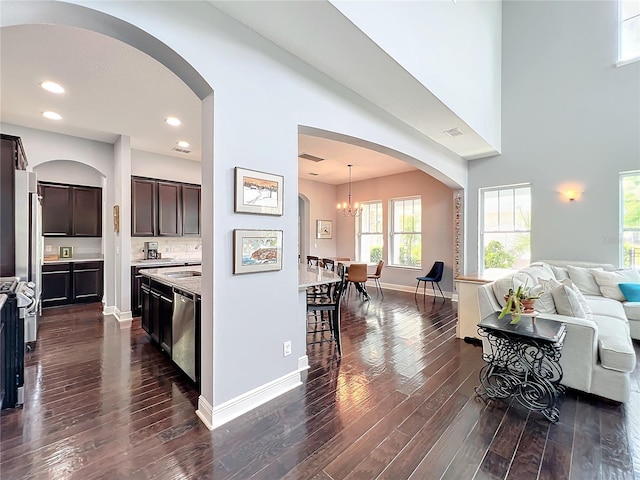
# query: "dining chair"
{"type": "Point", "coordinates": [347, 259]}
{"type": "Point", "coordinates": [331, 305]}
{"type": "Point", "coordinates": [376, 277]}
{"type": "Point", "coordinates": [434, 276]}
{"type": "Point", "coordinates": [357, 274]}
{"type": "Point", "coordinates": [312, 260]}
{"type": "Point", "coordinates": [329, 263]}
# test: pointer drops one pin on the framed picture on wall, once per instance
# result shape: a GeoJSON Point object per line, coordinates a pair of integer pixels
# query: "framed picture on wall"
{"type": "Point", "coordinates": [324, 229]}
{"type": "Point", "coordinates": [258, 192]}
{"type": "Point", "coordinates": [257, 251]}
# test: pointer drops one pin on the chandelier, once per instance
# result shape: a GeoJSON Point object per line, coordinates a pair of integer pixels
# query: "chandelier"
{"type": "Point", "coordinates": [346, 209]}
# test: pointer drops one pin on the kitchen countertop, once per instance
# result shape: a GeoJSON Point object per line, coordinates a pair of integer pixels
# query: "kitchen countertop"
{"type": "Point", "coordinates": [189, 284]}
{"type": "Point", "coordinates": [164, 262]}
{"type": "Point", "coordinates": [82, 257]}
{"type": "Point", "coordinates": [3, 298]}
{"type": "Point", "coordinates": [310, 276]}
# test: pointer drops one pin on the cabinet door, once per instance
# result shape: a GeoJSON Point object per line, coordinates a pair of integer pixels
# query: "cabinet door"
{"type": "Point", "coordinates": [145, 306]}
{"type": "Point", "coordinates": [7, 218]}
{"type": "Point", "coordinates": [87, 211]}
{"type": "Point", "coordinates": [136, 294]}
{"type": "Point", "coordinates": [56, 210]}
{"type": "Point", "coordinates": [169, 211]}
{"type": "Point", "coordinates": [166, 318]}
{"type": "Point", "coordinates": [190, 210]}
{"type": "Point", "coordinates": [87, 282]}
{"type": "Point", "coordinates": [154, 317]}
{"type": "Point", "coordinates": [56, 285]}
{"type": "Point", "coordinates": [143, 207]}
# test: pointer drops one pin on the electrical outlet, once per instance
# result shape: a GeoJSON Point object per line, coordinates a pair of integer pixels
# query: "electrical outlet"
{"type": "Point", "coordinates": [189, 248]}
{"type": "Point", "coordinates": [286, 348]}
{"type": "Point", "coordinates": [48, 248]}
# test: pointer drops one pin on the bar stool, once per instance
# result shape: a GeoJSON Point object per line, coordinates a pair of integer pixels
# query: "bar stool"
{"type": "Point", "coordinates": [331, 305]}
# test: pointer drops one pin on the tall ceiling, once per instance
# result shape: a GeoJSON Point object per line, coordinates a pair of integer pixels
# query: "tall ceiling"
{"type": "Point", "coordinates": [112, 89]}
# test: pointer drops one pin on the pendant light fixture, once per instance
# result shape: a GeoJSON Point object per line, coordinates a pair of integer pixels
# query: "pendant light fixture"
{"type": "Point", "coordinates": [346, 209]}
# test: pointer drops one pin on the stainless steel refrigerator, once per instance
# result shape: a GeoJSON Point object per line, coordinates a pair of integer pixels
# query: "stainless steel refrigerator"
{"type": "Point", "coordinates": [29, 245]}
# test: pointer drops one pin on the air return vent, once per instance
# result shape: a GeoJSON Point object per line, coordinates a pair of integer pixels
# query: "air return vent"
{"type": "Point", "coordinates": [453, 132]}
{"type": "Point", "coordinates": [306, 156]}
{"type": "Point", "coordinates": [181, 150]}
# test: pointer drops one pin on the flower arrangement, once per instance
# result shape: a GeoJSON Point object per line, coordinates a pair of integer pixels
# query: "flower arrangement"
{"type": "Point", "coordinates": [519, 301]}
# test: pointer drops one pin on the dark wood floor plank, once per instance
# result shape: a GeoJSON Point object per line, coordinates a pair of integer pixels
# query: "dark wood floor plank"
{"type": "Point", "coordinates": [104, 403]}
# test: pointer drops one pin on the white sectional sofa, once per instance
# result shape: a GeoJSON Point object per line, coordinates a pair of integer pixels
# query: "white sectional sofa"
{"type": "Point", "coordinates": [598, 355]}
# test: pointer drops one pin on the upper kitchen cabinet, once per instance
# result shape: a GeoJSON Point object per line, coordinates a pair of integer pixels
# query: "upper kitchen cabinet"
{"type": "Point", "coordinates": [191, 210]}
{"type": "Point", "coordinates": [144, 194]}
{"type": "Point", "coordinates": [169, 211]}
{"type": "Point", "coordinates": [71, 210]}
{"type": "Point", "coordinates": [160, 208]}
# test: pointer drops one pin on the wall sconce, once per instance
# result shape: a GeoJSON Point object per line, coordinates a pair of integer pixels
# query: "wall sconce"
{"type": "Point", "coordinates": [571, 195]}
{"type": "Point", "coordinates": [570, 191]}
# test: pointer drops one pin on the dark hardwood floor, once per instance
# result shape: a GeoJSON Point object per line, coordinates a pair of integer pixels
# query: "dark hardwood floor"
{"type": "Point", "coordinates": [103, 403]}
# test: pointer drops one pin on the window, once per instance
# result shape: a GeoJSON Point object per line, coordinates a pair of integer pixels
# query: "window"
{"type": "Point", "coordinates": [371, 241]}
{"type": "Point", "coordinates": [630, 218]}
{"type": "Point", "coordinates": [406, 232]}
{"type": "Point", "coordinates": [629, 30]}
{"type": "Point", "coordinates": [505, 227]}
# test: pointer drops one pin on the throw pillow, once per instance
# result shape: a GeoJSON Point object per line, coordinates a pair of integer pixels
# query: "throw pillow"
{"type": "Point", "coordinates": [583, 279]}
{"type": "Point", "coordinates": [567, 302]}
{"type": "Point", "coordinates": [560, 272]}
{"type": "Point", "coordinates": [608, 282]}
{"type": "Point", "coordinates": [631, 291]}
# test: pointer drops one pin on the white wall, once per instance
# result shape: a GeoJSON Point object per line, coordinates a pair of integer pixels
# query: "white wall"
{"type": "Point", "coordinates": [569, 117]}
{"type": "Point", "coordinates": [459, 55]}
{"type": "Point", "coordinates": [248, 317]}
{"type": "Point", "coordinates": [322, 206]}
{"type": "Point", "coordinates": [164, 167]}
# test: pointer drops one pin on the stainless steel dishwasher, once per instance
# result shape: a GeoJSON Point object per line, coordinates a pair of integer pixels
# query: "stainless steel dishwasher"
{"type": "Point", "coordinates": [183, 331]}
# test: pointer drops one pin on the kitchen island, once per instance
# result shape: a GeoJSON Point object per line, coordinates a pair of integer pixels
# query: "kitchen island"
{"type": "Point", "coordinates": [171, 314]}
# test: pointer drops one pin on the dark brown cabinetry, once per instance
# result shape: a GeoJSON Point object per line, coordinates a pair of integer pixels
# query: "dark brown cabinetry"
{"type": "Point", "coordinates": [169, 210]}
{"type": "Point", "coordinates": [74, 282]}
{"type": "Point", "coordinates": [12, 158]}
{"type": "Point", "coordinates": [157, 312]}
{"type": "Point", "coordinates": [161, 208]}
{"type": "Point", "coordinates": [191, 210]}
{"type": "Point", "coordinates": [71, 210]}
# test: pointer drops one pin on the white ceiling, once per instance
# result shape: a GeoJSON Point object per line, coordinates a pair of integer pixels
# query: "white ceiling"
{"type": "Point", "coordinates": [112, 89]}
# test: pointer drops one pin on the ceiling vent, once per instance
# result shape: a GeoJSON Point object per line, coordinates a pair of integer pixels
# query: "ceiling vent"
{"type": "Point", "coordinates": [181, 150]}
{"type": "Point", "coordinates": [306, 156]}
{"type": "Point", "coordinates": [453, 132]}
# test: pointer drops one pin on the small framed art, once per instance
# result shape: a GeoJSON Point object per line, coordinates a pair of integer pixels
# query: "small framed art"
{"type": "Point", "coordinates": [258, 192]}
{"type": "Point", "coordinates": [257, 251]}
{"type": "Point", "coordinates": [324, 229]}
{"type": "Point", "coordinates": [65, 252]}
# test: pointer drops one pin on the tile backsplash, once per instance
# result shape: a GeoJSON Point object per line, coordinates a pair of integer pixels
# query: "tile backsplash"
{"type": "Point", "coordinates": [81, 246]}
{"type": "Point", "coordinates": [180, 248]}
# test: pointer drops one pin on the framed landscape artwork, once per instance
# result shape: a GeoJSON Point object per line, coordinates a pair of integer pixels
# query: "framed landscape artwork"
{"type": "Point", "coordinates": [324, 229]}
{"type": "Point", "coordinates": [258, 192]}
{"type": "Point", "coordinates": [257, 251]}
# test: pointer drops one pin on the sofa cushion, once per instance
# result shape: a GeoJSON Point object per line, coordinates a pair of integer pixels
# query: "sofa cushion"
{"type": "Point", "coordinates": [584, 280]}
{"type": "Point", "coordinates": [560, 272]}
{"type": "Point", "coordinates": [608, 281]}
{"type": "Point", "coordinates": [631, 291]}
{"type": "Point", "coordinates": [606, 307]}
{"type": "Point", "coordinates": [567, 302]}
{"type": "Point", "coordinates": [632, 310]}
{"type": "Point", "coordinates": [615, 346]}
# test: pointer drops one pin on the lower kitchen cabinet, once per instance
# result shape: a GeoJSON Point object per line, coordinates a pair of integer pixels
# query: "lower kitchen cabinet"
{"type": "Point", "coordinates": [157, 310]}
{"type": "Point", "coordinates": [73, 282]}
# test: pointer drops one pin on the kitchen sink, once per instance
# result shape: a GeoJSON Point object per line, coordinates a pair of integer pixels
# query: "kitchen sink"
{"type": "Point", "coordinates": [183, 274]}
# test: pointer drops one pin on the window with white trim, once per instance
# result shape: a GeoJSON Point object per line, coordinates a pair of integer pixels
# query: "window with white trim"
{"type": "Point", "coordinates": [505, 227]}
{"type": "Point", "coordinates": [630, 219]}
{"type": "Point", "coordinates": [629, 30]}
{"type": "Point", "coordinates": [406, 232]}
{"type": "Point", "coordinates": [370, 238]}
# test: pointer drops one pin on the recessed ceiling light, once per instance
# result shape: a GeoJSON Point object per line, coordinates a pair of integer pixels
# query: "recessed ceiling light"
{"type": "Point", "coordinates": [173, 121]}
{"type": "Point", "coordinates": [52, 115]}
{"type": "Point", "coordinates": [52, 87]}
{"type": "Point", "coordinates": [183, 144]}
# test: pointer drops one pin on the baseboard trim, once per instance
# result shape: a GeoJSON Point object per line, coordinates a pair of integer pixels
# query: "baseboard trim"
{"type": "Point", "coordinates": [124, 318]}
{"type": "Point", "coordinates": [406, 288]}
{"type": "Point", "coordinates": [205, 412]}
{"type": "Point", "coordinates": [227, 411]}
{"type": "Point", "coordinates": [108, 310]}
